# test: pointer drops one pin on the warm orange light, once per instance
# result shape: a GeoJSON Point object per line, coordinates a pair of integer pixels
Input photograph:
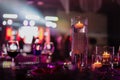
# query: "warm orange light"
{"type": "Point", "coordinates": [79, 25]}
{"type": "Point", "coordinates": [97, 64]}
{"type": "Point", "coordinates": [47, 35]}
{"type": "Point", "coordinates": [18, 36]}
{"type": "Point", "coordinates": [41, 34]}
{"type": "Point", "coordinates": [8, 33]}
{"type": "Point", "coordinates": [106, 55]}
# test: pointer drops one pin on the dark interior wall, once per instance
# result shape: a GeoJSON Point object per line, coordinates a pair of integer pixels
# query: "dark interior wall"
{"type": "Point", "coordinates": [112, 10]}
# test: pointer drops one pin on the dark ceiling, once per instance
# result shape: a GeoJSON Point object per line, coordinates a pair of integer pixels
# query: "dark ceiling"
{"type": "Point", "coordinates": [51, 6]}
{"type": "Point", "coordinates": [74, 5]}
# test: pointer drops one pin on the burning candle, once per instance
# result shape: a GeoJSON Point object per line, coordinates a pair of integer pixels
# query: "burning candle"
{"type": "Point", "coordinates": [97, 64]}
{"type": "Point", "coordinates": [79, 25]}
{"type": "Point", "coordinates": [106, 55]}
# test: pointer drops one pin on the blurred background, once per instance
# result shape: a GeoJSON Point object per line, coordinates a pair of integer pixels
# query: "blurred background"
{"type": "Point", "coordinates": [25, 20]}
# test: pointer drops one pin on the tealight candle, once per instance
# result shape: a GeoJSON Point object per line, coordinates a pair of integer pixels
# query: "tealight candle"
{"type": "Point", "coordinates": [97, 64]}
{"type": "Point", "coordinates": [79, 25]}
{"type": "Point", "coordinates": [106, 55]}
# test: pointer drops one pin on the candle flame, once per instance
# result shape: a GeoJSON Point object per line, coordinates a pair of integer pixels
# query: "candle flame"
{"type": "Point", "coordinates": [79, 25]}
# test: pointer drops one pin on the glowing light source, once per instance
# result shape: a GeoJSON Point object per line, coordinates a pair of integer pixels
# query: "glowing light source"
{"type": "Point", "coordinates": [51, 18]}
{"type": "Point", "coordinates": [25, 22]}
{"type": "Point", "coordinates": [33, 17]}
{"type": "Point", "coordinates": [41, 33]}
{"type": "Point", "coordinates": [47, 36]}
{"type": "Point", "coordinates": [4, 22]}
{"type": "Point", "coordinates": [6, 64]}
{"type": "Point", "coordinates": [9, 22]}
{"type": "Point", "coordinates": [79, 25]}
{"type": "Point", "coordinates": [51, 24]}
{"type": "Point", "coordinates": [32, 23]}
{"type": "Point", "coordinates": [8, 33]}
{"type": "Point", "coordinates": [13, 16]}
{"type": "Point", "coordinates": [40, 3]}
{"type": "Point", "coordinates": [28, 33]}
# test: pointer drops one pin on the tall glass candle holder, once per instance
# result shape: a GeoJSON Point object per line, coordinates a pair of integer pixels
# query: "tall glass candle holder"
{"type": "Point", "coordinates": [108, 56]}
{"type": "Point", "coordinates": [79, 40]}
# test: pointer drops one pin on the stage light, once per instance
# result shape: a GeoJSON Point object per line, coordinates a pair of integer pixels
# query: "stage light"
{"type": "Point", "coordinates": [9, 22]}
{"type": "Point", "coordinates": [8, 33]}
{"type": "Point", "coordinates": [32, 17]}
{"type": "Point", "coordinates": [4, 22]}
{"type": "Point", "coordinates": [41, 33]}
{"type": "Point", "coordinates": [51, 18]}
{"type": "Point", "coordinates": [51, 24]}
{"type": "Point", "coordinates": [32, 23]}
{"type": "Point", "coordinates": [13, 16]}
{"type": "Point", "coordinates": [28, 33]}
{"type": "Point", "coordinates": [25, 22]}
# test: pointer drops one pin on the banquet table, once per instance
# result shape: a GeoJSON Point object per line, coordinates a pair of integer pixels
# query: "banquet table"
{"type": "Point", "coordinates": [35, 71]}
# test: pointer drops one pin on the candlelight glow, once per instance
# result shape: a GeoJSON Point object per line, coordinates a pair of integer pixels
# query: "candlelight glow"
{"type": "Point", "coordinates": [106, 55]}
{"type": "Point", "coordinates": [79, 25]}
{"type": "Point", "coordinates": [97, 64]}
{"type": "Point", "coordinates": [51, 18]}
{"type": "Point", "coordinates": [47, 35]}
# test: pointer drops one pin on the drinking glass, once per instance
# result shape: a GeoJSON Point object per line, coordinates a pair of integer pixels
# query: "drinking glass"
{"type": "Point", "coordinates": [50, 47]}
{"type": "Point", "coordinates": [108, 56]}
{"type": "Point", "coordinates": [79, 40]}
{"type": "Point", "coordinates": [37, 49]}
{"type": "Point", "coordinates": [103, 57]}
{"type": "Point", "coordinates": [47, 52]}
{"type": "Point", "coordinates": [97, 57]}
{"type": "Point", "coordinates": [13, 50]}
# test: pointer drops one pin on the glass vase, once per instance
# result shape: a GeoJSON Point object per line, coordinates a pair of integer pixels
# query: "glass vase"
{"type": "Point", "coordinates": [79, 46]}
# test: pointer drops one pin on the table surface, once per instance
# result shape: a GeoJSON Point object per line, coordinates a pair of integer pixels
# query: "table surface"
{"type": "Point", "coordinates": [25, 72]}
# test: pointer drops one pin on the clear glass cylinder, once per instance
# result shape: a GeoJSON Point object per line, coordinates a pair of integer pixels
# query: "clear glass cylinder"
{"type": "Point", "coordinates": [79, 35]}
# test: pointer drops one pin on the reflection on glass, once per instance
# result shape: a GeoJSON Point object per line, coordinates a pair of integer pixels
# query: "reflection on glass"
{"type": "Point", "coordinates": [13, 50]}
{"type": "Point", "coordinates": [107, 56]}
{"type": "Point", "coordinates": [47, 52]}
{"type": "Point", "coordinates": [97, 58]}
{"type": "Point", "coordinates": [79, 40]}
{"type": "Point", "coordinates": [37, 49]}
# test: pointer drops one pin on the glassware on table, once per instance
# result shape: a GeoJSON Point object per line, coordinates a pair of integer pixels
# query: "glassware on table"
{"type": "Point", "coordinates": [79, 40]}
{"type": "Point", "coordinates": [104, 57]}
{"type": "Point", "coordinates": [50, 47]}
{"type": "Point", "coordinates": [37, 50]}
{"type": "Point", "coordinates": [116, 59]}
{"type": "Point", "coordinates": [108, 56]}
{"type": "Point", "coordinates": [12, 50]}
{"type": "Point", "coordinates": [47, 52]}
{"type": "Point", "coordinates": [108, 60]}
{"type": "Point", "coordinates": [97, 58]}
